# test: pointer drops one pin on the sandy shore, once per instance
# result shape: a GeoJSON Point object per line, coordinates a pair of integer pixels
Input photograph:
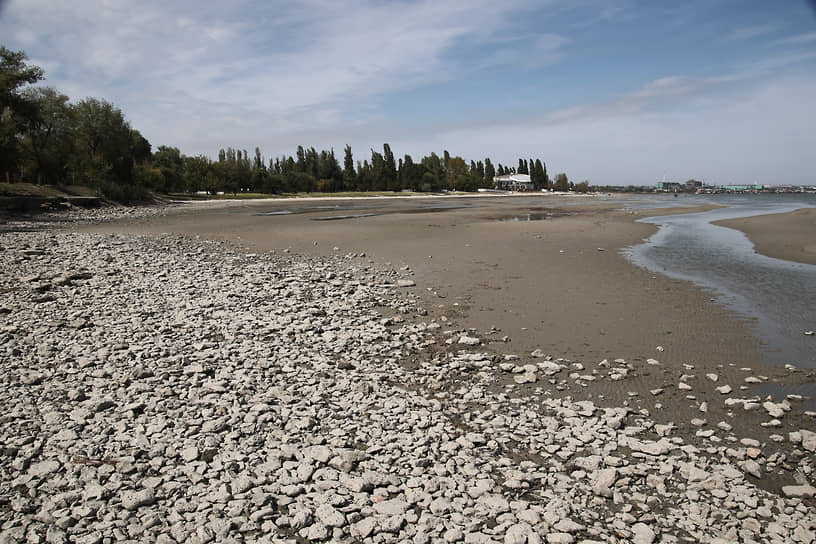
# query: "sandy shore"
{"type": "Point", "coordinates": [790, 236]}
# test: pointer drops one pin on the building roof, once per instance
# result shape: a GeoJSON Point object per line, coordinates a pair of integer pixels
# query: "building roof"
{"type": "Point", "coordinates": [518, 178]}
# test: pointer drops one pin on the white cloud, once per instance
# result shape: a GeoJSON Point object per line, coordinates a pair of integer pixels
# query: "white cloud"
{"type": "Point", "coordinates": [796, 40]}
{"type": "Point", "coordinates": [278, 66]}
{"type": "Point", "coordinates": [750, 32]}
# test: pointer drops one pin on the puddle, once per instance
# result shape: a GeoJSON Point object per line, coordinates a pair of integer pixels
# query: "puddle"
{"type": "Point", "coordinates": [281, 212]}
{"type": "Point", "coordinates": [534, 216]}
{"type": "Point", "coordinates": [339, 217]}
{"type": "Point", "coordinates": [429, 209]}
{"type": "Point", "coordinates": [438, 207]}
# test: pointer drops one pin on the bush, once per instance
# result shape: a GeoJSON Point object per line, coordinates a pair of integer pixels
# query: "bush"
{"type": "Point", "coordinates": [123, 194]}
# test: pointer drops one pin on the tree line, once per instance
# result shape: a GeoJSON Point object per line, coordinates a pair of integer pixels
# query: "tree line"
{"type": "Point", "coordinates": [47, 139]}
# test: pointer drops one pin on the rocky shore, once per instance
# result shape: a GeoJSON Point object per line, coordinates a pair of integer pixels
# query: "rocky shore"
{"type": "Point", "coordinates": [166, 389]}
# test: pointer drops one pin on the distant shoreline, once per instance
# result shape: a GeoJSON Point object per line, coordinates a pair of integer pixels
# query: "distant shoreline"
{"type": "Point", "coordinates": [789, 236]}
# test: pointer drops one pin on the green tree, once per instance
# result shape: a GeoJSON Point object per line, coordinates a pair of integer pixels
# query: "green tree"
{"type": "Point", "coordinates": [541, 181]}
{"type": "Point", "coordinates": [196, 170]}
{"type": "Point", "coordinates": [479, 176]}
{"type": "Point", "coordinates": [490, 173]}
{"type": "Point", "coordinates": [561, 183]}
{"type": "Point", "coordinates": [149, 177]}
{"type": "Point", "coordinates": [171, 163]}
{"type": "Point", "coordinates": [349, 175]}
{"type": "Point", "coordinates": [139, 146]}
{"type": "Point", "coordinates": [103, 143]}
{"type": "Point", "coordinates": [433, 179]}
{"type": "Point", "coordinates": [258, 162]}
{"type": "Point", "coordinates": [413, 175]}
{"type": "Point", "coordinates": [390, 169]}
{"type": "Point", "coordinates": [15, 74]}
{"type": "Point", "coordinates": [379, 176]}
{"type": "Point", "coordinates": [458, 174]}
{"type": "Point", "coordinates": [300, 164]}
{"type": "Point", "coordinates": [46, 143]}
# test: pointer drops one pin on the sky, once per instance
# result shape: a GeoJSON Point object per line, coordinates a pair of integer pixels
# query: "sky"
{"type": "Point", "coordinates": [615, 92]}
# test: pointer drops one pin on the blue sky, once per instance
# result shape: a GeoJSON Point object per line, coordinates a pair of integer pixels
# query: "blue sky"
{"type": "Point", "coordinates": [615, 92]}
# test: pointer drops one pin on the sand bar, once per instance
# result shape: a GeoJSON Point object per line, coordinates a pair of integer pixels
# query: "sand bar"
{"type": "Point", "coordinates": [789, 236]}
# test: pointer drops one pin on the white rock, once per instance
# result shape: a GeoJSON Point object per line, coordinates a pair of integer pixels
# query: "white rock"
{"type": "Point", "coordinates": [752, 468]}
{"type": "Point", "coordinates": [364, 528]}
{"type": "Point", "coordinates": [517, 534]}
{"type": "Point", "coordinates": [440, 506]}
{"type": "Point", "coordinates": [603, 482]}
{"type": "Point", "coordinates": [393, 507]}
{"type": "Point", "coordinates": [805, 490]}
{"type": "Point", "coordinates": [808, 439]}
{"type": "Point", "coordinates": [642, 534]}
{"type": "Point", "coordinates": [329, 516]}
{"type": "Point", "coordinates": [44, 468]}
{"type": "Point", "coordinates": [189, 454]}
{"type": "Point", "coordinates": [131, 500]}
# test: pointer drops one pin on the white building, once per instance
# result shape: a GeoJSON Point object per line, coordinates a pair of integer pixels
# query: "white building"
{"type": "Point", "coordinates": [514, 182]}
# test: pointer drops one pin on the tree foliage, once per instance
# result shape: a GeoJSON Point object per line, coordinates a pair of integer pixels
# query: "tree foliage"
{"type": "Point", "coordinates": [15, 107]}
{"type": "Point", "coordinates": [561, 183]}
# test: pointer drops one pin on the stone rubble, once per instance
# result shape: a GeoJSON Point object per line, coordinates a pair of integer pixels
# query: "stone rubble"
{"type": "Point", "coordinates": [171, 390]}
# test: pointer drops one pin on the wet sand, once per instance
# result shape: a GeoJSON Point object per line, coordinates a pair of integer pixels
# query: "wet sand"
{"type": "Point", "coordinates": [558, 284]}
{"type": "Point", "coordinates": [790, 236]}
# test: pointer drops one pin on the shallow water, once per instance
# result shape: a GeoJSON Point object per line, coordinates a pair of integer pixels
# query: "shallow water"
{"type": "Point", "coordinates": [532, 216]}
{"type": "Point", "coordinates": [780, 295]}
{"type": "Point", "coordinates": [341, 217]}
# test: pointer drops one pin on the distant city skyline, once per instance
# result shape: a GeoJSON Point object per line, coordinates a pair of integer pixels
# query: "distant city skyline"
{"type": "Point", "coordinates": [620, 93]}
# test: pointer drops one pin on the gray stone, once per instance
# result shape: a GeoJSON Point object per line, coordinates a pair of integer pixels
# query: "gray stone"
{"type": "Point", "coordinates": [393, 507]}
{"type": "Point", "coordinates": [642, 534]}
{"type": "Point", "coordinates": [329, 516]}
{"type": "Point", "coordinates": [43, 468]}
{"type": "Point", "coordinates": [805, 490]}
{"type": "Point", "coordinates": [131, 500]}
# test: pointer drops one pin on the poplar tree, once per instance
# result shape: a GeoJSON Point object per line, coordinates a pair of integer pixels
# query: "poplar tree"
{"type": "Point", "coordinates": [489, 173]}
{"type": "Point", "coordinates": [390, 169]}
{"type": "Point", "coordinates": [349, 175]}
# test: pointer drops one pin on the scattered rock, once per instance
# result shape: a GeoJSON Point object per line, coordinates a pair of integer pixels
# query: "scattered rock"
{"type": "Point", "coordinates": [183, 390]}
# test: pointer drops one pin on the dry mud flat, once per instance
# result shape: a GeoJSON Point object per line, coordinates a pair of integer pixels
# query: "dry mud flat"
{"type": "Point", "coordinates": [162, 389]}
